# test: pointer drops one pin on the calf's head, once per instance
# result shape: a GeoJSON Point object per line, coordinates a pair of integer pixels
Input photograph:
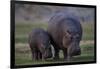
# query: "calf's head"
{"type": "Point", "coordinates": [45, 49]}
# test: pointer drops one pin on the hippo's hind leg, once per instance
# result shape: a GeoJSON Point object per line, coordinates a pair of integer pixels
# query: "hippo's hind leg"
{"type": "Point", "coordinates": [67, 55]}
{"type": "Point", "coordinates": [34, 54]}
{"type": "Point", "coordinates": [39, 55]}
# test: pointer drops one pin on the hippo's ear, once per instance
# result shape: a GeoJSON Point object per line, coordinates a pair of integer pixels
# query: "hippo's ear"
{"type": "Point", "coordinates": [67, 34]}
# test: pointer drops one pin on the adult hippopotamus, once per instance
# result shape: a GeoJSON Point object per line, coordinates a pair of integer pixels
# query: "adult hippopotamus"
{"type": "Point", "coordinates": [66, 33]}
{"type": "Point", "coordinates": [39, 42]}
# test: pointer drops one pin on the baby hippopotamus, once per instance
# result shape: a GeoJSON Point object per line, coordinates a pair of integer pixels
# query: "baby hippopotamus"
{"type": "Point", "coordinates": [39, 42]}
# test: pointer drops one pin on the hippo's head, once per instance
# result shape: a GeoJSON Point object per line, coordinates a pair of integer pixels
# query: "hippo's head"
{"type": "Point", "coordinates": [74, 46]}
{"type": "Point", "coordinates": [45, 49]}
{"type": "Point", "coordinates": [71, 42]}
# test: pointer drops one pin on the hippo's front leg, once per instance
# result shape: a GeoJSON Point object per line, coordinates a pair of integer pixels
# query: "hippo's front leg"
{"type": "Point", "coordinates": [39, 56]}
{"type": "Point", "coordinates": [65, 53]}
{"type": "Point", "coordinates": [69, 57]}
{"type": "Point", "coordinates": [33, 51]}
{"type": "Point", "coordinates": [34, 55]}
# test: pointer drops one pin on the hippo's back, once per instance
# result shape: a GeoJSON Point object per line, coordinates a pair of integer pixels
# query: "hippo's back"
{"type": "Point", "coordinates": [37, 35]}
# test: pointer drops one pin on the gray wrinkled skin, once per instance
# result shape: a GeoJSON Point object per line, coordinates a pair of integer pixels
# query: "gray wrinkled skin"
{"type": "Point", "coordinates": [66, 33]}
{"type": "Point", "coordinates": [39, 42]}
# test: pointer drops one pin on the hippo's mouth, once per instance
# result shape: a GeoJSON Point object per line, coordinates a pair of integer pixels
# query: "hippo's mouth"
{"type": "Point", "coordinates": [76, 53]}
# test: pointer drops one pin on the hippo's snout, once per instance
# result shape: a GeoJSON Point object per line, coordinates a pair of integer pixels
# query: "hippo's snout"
{"type": "Point", "coordinates": [77, 52]}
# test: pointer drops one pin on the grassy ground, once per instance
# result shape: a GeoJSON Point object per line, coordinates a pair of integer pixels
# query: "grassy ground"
{"type": "Point", "coordinates": [23, 53]}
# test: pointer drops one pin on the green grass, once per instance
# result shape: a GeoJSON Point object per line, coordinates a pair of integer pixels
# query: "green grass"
{"type": "Point", "coordinates": [22, 30]}
{"type": "Point", "coordinates": [23, 56]}
{"type": "Point", "coordinates": [23, 53]}
{"type": "Point", "coordinates": [88, 31]}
